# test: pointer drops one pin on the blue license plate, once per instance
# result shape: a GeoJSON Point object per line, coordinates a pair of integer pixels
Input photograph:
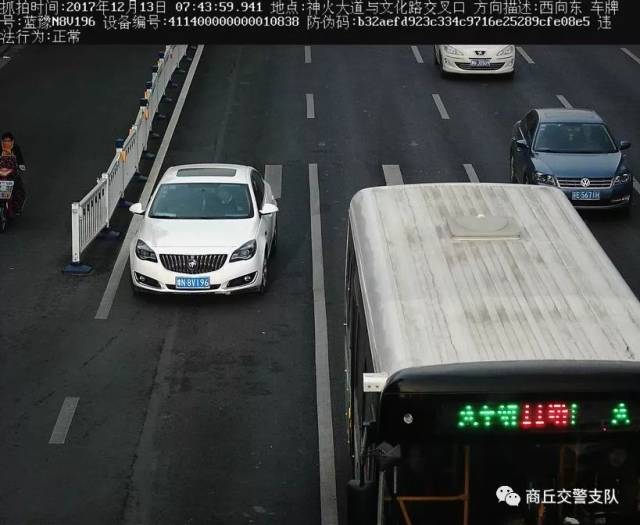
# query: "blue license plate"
{"type": "Point", "coordinates": [192, 283]}
{"type": "Point", "coordinates": [585, 195]}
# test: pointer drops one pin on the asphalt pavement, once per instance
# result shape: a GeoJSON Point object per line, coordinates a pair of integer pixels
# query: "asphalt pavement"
{"type": "Point", "coordinates": [203, 409]}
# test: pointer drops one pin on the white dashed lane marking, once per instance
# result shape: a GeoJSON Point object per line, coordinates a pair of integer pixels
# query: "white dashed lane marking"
{"type": "Point", "coordinates": [417, 55]}
{"type": "Point", "coordinates": [392, 174]}
{"type": "Point", "coordinates": [525, 55]}
{"type": "Point", "coordinates": [311, 109]}
{"type": "Point", "coordinates": [307, 54]}
{"type": "Point", "coordinates": [471, 172]}
{"type": "Point", "coordinates": [630, 55]}
{"type": "Point", "coordinates": [440, 106]}
{"type": "Point", "coordinates": [65, 416]}
{"type": "Point", "coordinates": [564, 101]}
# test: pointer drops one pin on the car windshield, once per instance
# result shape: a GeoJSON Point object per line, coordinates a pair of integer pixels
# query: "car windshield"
{"type": "Point", "coordinates": [202, 200]}
{"type": "Point", "coordinates": [572, 137]}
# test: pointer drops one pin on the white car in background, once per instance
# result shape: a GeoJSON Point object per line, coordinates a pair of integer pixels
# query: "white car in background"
{"type": "Point", "coordinates": [475, 59]}
{"type": "Point", "coordinates": [208, 228]}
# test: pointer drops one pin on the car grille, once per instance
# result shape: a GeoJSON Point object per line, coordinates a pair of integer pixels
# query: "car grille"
{"type": "Point", "coordinates": [185, 263]}
{"type": "Point", "coordinates": [491, 67]}
{"type": "Point", "coordinates": [603, 182]}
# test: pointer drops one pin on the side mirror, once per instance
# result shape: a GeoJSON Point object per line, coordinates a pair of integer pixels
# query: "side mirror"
{"type": "Point", "coordinates": [267, 209]}
{"type": "Point", "coordinates": [136, 208]}
{"type": "Point", "coordinates": [625, 144]}
{"type": "Point", "coordinates": [522, 144]}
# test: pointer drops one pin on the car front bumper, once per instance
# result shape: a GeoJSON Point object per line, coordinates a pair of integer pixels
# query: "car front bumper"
{"type": "Point", "coordinates": [463, 65]}
{"type": "Point", "coordinates": [154, 277]}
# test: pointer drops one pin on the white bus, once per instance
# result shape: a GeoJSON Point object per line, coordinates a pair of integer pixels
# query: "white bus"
{"type": "Point", "coordinates": [492, 361]}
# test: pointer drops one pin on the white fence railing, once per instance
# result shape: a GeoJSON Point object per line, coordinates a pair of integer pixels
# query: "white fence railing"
{"type": "Point", "coordinates": [92, 214]}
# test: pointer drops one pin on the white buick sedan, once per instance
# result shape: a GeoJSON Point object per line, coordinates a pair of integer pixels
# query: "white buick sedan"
{"type": "Point", "coordinates": [208, 228]}
{"type": "Point", "coordinates": [492, 59]}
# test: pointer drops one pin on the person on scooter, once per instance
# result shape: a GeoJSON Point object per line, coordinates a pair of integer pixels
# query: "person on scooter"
{"type": "Point", "coordinates": [11, 165]}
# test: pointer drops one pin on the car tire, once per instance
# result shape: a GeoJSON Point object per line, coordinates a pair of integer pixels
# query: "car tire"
{"type": "Point", "coordinates": [264, 281]}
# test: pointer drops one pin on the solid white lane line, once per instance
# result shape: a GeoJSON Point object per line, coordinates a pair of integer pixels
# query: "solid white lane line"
{"type": "Point", "coordinates": [307, 54]}
{"type": "Point", "coordinates": [311, 110]}
{"type": "Point", "coordinates": [416, 53]}
{"type": "Point", "coordinates": [564, 102]}
{"type": "Point", "coordinates": [392, 174]}
{"type": "Point", "coordinates": [328, 502]}
{"type": "Point", "coordinates": [525, 55]}
{"type": "Point", "coordinates": [630, 54]}
{"type": "Point", "coordinates": [471, 172]}
{"type": "Point", "coordinates": [60, 429]}
{"type": "Point", "coordinates": [273, 174]}
{"type": "Point", "coordinates": [118, 268]}
{"type": "Point", "coordinates": [440, 106]}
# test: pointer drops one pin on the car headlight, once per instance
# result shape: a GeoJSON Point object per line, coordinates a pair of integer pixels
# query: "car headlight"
{"type": "Point", "coordinates": [508, 50]}
{"type": "Point", "coordinates": [622, 177]}
{"type": "Point", "coordinates": [246, 251]}
{"type": "Point", "coordinates": [450, 50]}
{"type": "Point", "coordinates": [544, 178]}
{"type": "Point", "coordinates": [144, 252]}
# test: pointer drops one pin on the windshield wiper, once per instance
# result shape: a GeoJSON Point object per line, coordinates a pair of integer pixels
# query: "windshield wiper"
{"type": "Point", "coordinates": [163, 216]}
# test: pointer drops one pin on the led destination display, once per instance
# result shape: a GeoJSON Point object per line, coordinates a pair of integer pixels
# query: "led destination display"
{"type": "Point", "coordinates": [547, 415]}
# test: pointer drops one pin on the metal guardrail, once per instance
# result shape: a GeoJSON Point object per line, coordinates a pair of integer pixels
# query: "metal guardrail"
{"type": "Point", "coordinates": [91, 215]}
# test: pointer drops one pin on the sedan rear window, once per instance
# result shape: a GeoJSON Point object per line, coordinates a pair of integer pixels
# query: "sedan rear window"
{"type": "Point", "coordinates": [574, 138]}
{"type": "Point", "coordinates": [202, 201]}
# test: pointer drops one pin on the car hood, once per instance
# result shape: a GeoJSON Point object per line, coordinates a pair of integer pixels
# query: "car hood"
{"type": "Point", "coordinates": [180, 233]}
{"type": "Point", "coordinates": [576, 165]}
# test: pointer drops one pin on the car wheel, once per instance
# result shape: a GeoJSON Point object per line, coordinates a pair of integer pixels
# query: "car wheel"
{"type": "Point", "coordinates": [3, 219]}
{"type": "Point", "coordinates": [264, 282]}
{"type": "Point", "coordinates": [512, 168]}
